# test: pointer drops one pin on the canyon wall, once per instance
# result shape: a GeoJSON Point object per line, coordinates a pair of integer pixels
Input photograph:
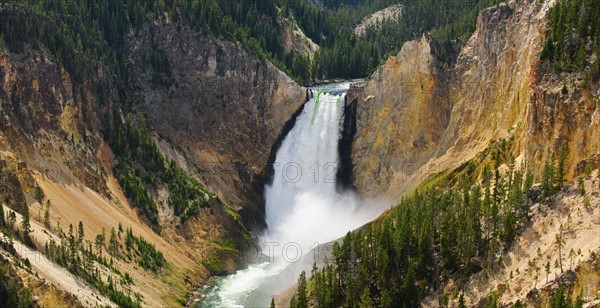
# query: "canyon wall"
{"type": "Point", "coordinates": [51, 123]}
{"type": "Point", "coordinates": [401, 114]}
{"type": "Point", "coordinates": [223, 109]}
{"type": "Point", "coordinates": [417, 117]}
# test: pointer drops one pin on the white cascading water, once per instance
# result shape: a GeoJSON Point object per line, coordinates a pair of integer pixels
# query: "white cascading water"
{"type": "Point", "coordinates": [303, 208]}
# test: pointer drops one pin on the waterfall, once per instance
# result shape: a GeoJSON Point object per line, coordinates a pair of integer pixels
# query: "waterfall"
{"type": "Point", "coordinates": [303, 208]}
{"type": "Point", "coordinates": [306, 164]}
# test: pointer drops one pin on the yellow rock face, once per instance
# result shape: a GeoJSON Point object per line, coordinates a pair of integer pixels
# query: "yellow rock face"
{"type": "Point", "coordinates": [416, 116]}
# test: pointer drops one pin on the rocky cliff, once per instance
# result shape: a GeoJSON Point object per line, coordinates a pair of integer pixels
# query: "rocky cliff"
{"type": "Point", "coordinates": [401, 114]}
{"type": "Point", "coordinates": [416, 117]}
{"type": "Point", "coordinates": [49, 122]}
{"type": "Point", "coordinates": [221, 108]}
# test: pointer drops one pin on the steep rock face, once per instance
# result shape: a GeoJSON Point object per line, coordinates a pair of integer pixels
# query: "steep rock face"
{"type": "Point", "coordinates": [557, 119]}
{"type": "Point", "coordinates": [497, 89]}
{"type": "Point", "coordinates": [393, 12]}
{"type": "Point", "coordinates": [50, 123]}
{"type": "Point", "coordinates": [221, 107]}
{"type": "Point", "coordinates": [491, 80]}
{"type": "Point", "coordinates": [401, 114]}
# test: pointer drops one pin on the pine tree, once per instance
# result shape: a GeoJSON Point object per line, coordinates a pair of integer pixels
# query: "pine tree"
{"type": "Point", "coordinates": [72, 245]}
{"type": "Point", "coordinates": [272, 302]}
{"type": "Point", "coordinates": [2, 221]}
{"type": "Point", "coordinates": [365, 299]}
{"type": "Point", "coordinates": [411, 295]}
{"type": "Point", "coordinates": [113, 243]}
{"type": "Point", "coordinates": [561, 170]}
{"type": "Point", "coordinates": [302, 299]}
{"type": "Point", "coordinates": [80, 234]}
{"type": "Point", "coordinates": [487, 201]}
{"type": "Point", "coordinates": [558, 299]}
{"type": "Point", "coordinates": [47, 215]}
{"type": "Point", "coordinates": [548, 177]}
{"type": "Point", "coordinates": [572, 254]}
{"type": "Point", "coordinates": [492, 302]}
{"type": "Point", "coordinates": [129, 239]}
{"type": "Point", "coordinates": [547, 267]}
{"type": "Point", "coordinates": [581, 186]}
{"type": "Point", "coordinates": [559, 241]}
{"type": "Point", "coordinates": [386, 299]}
{"type": "Point", "coordinates": [12, 219]}
{"type": "Point", "coordinates": [26, 226]}
{"type": "Point", "coordinates": [39, 194]}
{"type": "Point", "coordinates": [99, 242]}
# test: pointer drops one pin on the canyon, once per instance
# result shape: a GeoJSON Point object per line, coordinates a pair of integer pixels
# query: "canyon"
{"type": "Point", "coordinates": [221, 114]}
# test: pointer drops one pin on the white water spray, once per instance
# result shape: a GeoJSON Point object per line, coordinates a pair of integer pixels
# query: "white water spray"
{"type": "Point", "coordinates": [303, 208]}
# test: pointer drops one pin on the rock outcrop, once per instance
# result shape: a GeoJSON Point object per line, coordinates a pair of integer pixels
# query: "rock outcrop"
{"type": "Point", "coordinates": [375, 20]}
{"type": "Point", "coordinates": [416, 118]}
{"type": "Point", "coordinates": [51, 123]}
{"type": "Point", "coordinates": [222, 108]}
{"type": "Point", "coordinates": [294, 39]}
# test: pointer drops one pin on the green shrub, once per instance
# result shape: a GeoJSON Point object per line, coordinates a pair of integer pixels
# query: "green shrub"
{"type": "Point", "coordinates": [215, 266]}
